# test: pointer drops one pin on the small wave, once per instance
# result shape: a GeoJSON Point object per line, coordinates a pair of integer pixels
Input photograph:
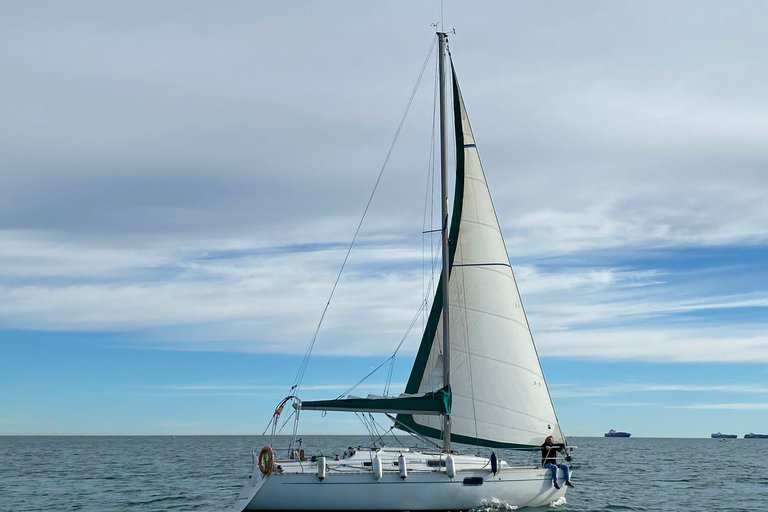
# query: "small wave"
{"type": "Point", "coordinates": [157, 500]}
{"type": "Point", "coordinates": [558, 502]}
{"type": "Point", "coordinates": [492, 505]}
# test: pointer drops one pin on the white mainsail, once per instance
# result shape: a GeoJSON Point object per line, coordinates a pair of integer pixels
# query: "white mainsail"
{"type": "Point", "coordinates": [500, 397]}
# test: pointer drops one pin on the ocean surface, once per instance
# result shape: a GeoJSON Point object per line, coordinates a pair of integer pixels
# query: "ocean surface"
{"type": "Point", "coordinates": [147, 474]}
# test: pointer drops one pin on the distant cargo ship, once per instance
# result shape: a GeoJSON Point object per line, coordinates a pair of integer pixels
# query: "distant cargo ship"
{"type": "Point", "coordinates": [613, 433]}
{"type": "Point", "coordinates": [723, 436]}
{"type": "Point", "coordinates": [755, 436]}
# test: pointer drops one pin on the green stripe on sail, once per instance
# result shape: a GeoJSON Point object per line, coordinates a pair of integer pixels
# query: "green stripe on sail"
{"type": "Point", "coordinates": [436, 402]}
{"type": "Point", "coordinates": [420, 364]}
{"type": "Point", "coordinates": [406, 422]}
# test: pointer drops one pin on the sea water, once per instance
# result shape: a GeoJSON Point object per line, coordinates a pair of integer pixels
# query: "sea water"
{"type": "Point", "coordinates": [185, 473]}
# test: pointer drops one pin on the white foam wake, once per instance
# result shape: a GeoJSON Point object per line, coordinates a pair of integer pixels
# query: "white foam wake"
{"type": "Point", "coordinates": [558, 502]}
{"type": "Point", "coordinates": [492, 505]}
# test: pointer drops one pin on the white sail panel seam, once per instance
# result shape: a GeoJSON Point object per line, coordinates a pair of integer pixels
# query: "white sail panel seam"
{"type": "Point", "coordinates": [489, 267]}
{"type": "Point", "coordinates": [497, 406]}
{"type": "Point", "coordinates": [517, 428]}
{"type": "Point", "coordinates": [479, 312]}
{"type": "Point", "coordinates": [478, 223]}
{"type": "Point", "coordinates": [477, 179]}
{"type": "Point", "coordinates": [505, 363]}
{"type": "Point", "coordinates": [490, 264]}
{"type": "Point", "coordinates": [466, 343]}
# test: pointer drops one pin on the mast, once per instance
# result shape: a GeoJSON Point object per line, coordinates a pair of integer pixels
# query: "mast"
{"type": "Point", "coordinates": [443, 39]}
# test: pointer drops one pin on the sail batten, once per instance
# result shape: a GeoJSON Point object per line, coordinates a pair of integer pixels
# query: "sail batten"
{"type": "Point", "coordinates": [500, 397]}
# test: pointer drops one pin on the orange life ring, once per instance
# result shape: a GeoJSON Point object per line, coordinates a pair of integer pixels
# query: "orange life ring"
{"type": "Point", "coordinates": [266, 460]}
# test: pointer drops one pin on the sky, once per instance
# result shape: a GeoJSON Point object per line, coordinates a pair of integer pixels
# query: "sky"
{"type": "Point", "coordinates": [180, 181]}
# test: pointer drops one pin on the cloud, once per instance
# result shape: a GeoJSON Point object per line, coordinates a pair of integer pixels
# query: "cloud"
{"type": "Point", "coordinates": [377, 387]}
{"type": "Point", "coordinates": [581, 390]}
{"type": "Point", "coordinates": [703, 344]}
{"type": "Point", "coordinates": [165, 175]}
{"type": "Point", "coordinates": [724, 388]}
{"type": "Point", "coordinates": [728, 406]}
{"type": "Point", "coordinates": [261, 299]}
{"type": "Point", "coordinates": [223, 298]}
{"type": "Point", "coordinates": [630, 404]}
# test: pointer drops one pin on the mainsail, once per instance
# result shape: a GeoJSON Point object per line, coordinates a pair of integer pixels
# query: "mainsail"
{"type": "Point", "coordinates": [499, 395]}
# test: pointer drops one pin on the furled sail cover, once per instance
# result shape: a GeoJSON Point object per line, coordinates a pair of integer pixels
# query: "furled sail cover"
{"type": "Point", "coordinates": [500, 398]}
{"type": "Point", "coordinates": [434, 402]}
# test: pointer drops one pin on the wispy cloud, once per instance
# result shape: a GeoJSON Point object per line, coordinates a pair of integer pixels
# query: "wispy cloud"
{"type": "Point", "coordinates": [629, 404]}
{"type": "Point", "coordinates": [726, 406]}
{"type": "Point", "coordinates": [690, 344]}
{"type": "Point", "coordinates": [263, 301]}
{"type": "Point", "coordinates": [307, 387]}
{"type": "Point", "coordinates": [581, 390]}
{"type": "Point", "coordinates": [732, 388]}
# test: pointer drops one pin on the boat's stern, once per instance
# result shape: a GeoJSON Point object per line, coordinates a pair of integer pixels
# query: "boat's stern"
{"type": "Point", "coordinates": [251, 487]}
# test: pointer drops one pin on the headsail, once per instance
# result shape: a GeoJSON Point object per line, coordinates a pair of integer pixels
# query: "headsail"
{"type": "Point", "coordinates": [500, 397]}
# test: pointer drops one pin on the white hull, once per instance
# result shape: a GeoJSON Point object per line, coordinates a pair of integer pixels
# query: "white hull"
{"type": "Point", "coordinates": [431, 489]}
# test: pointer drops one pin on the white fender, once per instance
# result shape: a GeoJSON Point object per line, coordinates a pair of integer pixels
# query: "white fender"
{"type": "Point", "coordinates": [321, 468]}
{"type": "Point", "coordinates": [378, 470]}
{"type": "Point", "coordinates": [450, 467]}
{"type": "Point", "coordinates": [403, 467]}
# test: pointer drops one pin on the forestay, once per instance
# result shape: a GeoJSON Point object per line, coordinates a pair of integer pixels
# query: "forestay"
{"type": "Point", "coordinates": [500, 397]}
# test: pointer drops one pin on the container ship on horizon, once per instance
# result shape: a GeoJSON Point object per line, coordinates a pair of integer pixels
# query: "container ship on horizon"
{"type": "Point", "coordinates": [723, 436]}
{"type": "Point", "coordinates": [613, 433]}
{"type": "Point", "coordinates": [755, 436]}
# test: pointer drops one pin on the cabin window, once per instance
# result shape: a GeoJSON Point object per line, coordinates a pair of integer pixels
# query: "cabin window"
{"type": "Point", "coordinates": [475, 480]}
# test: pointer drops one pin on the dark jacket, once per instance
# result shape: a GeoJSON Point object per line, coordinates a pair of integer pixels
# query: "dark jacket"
{"type": "Point", "coordinates": [549, 452]}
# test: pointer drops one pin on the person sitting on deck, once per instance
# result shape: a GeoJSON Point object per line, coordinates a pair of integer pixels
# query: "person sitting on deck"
{"type": "Point", "coordinates": [549, 460]}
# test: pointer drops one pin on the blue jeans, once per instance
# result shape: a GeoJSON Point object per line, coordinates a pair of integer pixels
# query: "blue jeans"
{"type": "Point", "coordinates": [554, 467]}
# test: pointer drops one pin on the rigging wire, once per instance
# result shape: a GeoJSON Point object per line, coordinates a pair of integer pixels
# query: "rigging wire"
{"type": "Point", "coordinates": [402, 340]}
{"type": "Point", "coordinates": [429, 202]}
{"type": "Point", "coordinates": [374, 425]}
{"type": "Point", "coordinates": [389, 376]}
{"type": "Point", "coordinates": [305, 361]}
{"type": "Point", "coordinates": [392, 357]}
{"type": "Point", "coordinates": [428, 212]}
{"type": "Point", "coordinates": [267, 427]}
{"type": "Point", "coordinates": [412, 432]}
{"type": "Point", "coordinates": [286, 421]}
{"type": "Point", "coordinates": [429, 287]}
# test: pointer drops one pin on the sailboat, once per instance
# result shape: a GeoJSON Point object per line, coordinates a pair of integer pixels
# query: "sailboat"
{"type": "Point", "coordinates": [476, 379]}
